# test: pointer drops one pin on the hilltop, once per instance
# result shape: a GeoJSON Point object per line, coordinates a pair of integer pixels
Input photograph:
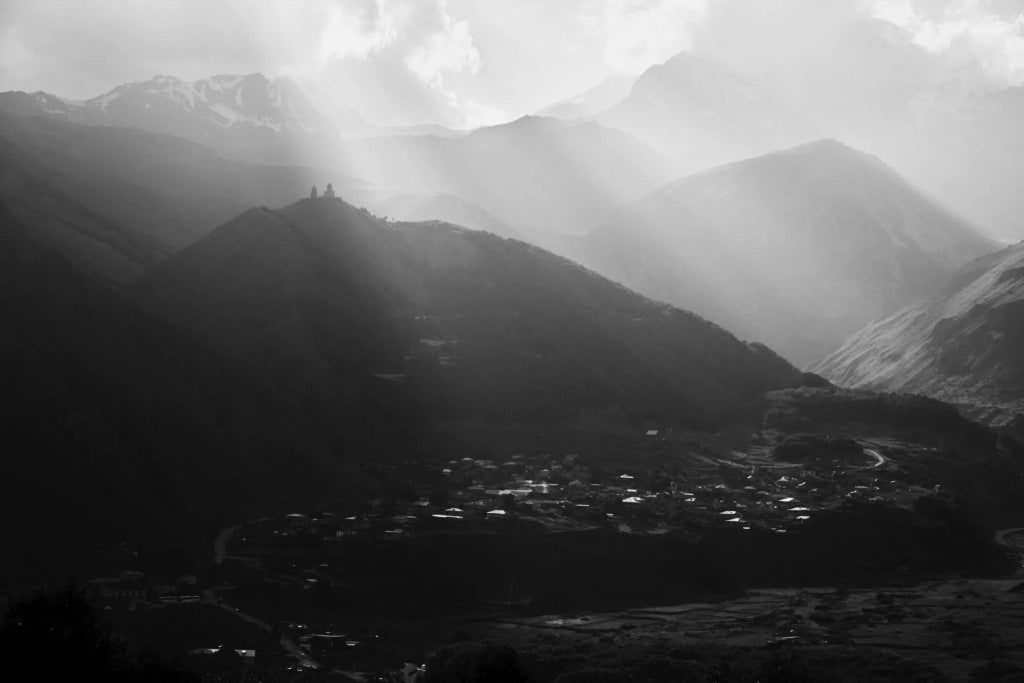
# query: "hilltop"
{"type": "Point", "coordinates": [377, 325]}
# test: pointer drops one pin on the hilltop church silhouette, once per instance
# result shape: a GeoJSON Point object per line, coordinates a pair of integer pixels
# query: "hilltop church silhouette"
{"type": "Point", "coordinates": [328, 193]}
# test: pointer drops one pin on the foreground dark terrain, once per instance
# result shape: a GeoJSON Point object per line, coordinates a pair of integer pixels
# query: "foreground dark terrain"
{"type": "Point", "coordinates": [380, 442]}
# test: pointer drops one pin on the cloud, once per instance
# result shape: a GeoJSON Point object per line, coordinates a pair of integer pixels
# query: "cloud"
{"type": "Point", "coordinates": [449, 50]}
{"type": "Point", "coordinates": [466, 62]}
{"type": "Point", "coordinates": [987, 34]}
{"type": "Point", "coordinates": [405, 62]}
{"type": "Point", "coordinates": [639, 33]}
{"type": "Point", "coordinates": [358, 29]}
{"type": "Point", "coordinates": [409, 56]}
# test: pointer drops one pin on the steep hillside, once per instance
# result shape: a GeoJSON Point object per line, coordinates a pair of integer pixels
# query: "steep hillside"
{"type": "Point", "coordinates": [962, 345]}
{"type": "Point", "coordinates": [117, 430]}
{"type": "Point", "coordinates": [375, 325]}
{"type": "Point", "coordinates": [537, 173]}
{"type": "Point", "coordinates": [796, 249]}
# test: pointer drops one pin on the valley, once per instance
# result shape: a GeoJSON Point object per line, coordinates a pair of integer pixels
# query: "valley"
{"type": "Point", "coordinates": [727, 525]}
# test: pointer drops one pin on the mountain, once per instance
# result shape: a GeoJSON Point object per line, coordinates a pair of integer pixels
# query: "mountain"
{"type": "Point", "coordinates": [589, 103]}
{"type": "Point", "coordinates": [964, 144]}
{"type": "Point", "coordinates": [537, 173]}
{"type": "Point", "coordinates": [116, 200]}
{"type": "Point", "coordinates": [797, 249]}
{"type": "Point", "coordinates": [120, 431]}
{"type": "Point", "coordinates": [381, 328]}
{"type": "Point", "coordinates": [702, 113]}
{"type": "Point", "coordinates": [249, 117]}
{"type": "Point", "coordinates": [947, 122]}
{"type": "Point", "coordinates": [961, 345]}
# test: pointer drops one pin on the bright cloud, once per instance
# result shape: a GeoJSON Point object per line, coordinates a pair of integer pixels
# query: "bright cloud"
{"type": "Point", "coordinates": [450, 50]}
{"type": "Point", "coordinates": [359, 29]}
{"type": "Point", "coordinates": [974, 30]}
{"type": "Point", "coordinates": [466, 62]}
{"type": "Point", "coordinates": [639, 33]}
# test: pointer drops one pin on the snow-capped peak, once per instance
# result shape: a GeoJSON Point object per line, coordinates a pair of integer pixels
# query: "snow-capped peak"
{"type": "Point", "coordinates": [225, 100]}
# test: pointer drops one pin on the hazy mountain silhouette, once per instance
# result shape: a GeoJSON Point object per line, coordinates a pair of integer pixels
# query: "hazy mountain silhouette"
{"type": "Point", "coordinates": [593, 101]}
{"type": "Point", "coordinates": [375, 325]}
{"type": "Point", "coordinates": [119, 430]}
{"type": "Point", "coordinates": [963, 344]}
{"type": "Point", "coordinates": [535, 173]}
{"type": "Point", "coordinates": [249, 117]}
{"type": "Point", "coordinates": [115, 200]}
{"type": "Point", "coordinates": [796, 249]}
{"type": "Point", "coordinates": [703, 113]}
{"type": "Point", "coordinates": [66, 213]}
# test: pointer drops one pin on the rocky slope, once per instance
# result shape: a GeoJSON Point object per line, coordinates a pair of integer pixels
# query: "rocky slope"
{"type": "Point", "coordinates": [962, 345]}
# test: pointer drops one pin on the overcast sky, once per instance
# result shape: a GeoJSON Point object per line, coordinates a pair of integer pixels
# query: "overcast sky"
{"type": "Point", "coordinates": [460, 62]}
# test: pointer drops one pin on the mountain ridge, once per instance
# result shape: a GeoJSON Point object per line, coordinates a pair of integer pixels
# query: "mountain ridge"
{"type": "Point", "coordinates": [797, 248]}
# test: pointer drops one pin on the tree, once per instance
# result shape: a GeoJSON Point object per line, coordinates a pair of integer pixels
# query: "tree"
{"type": "Point", "coordinates": [56, 636]}
{"type": "Point", "coordinates": [476, 663]}
{"type": "Point", "coordinates": [312, 193]}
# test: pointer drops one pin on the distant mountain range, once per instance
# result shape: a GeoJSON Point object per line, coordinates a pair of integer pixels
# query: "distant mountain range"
{"type": "Point", "coordinates": [963, 344]}
{"type": "Point", "coordinates": [702, 113]}
{"type": "Point", "coordinates": [116, 200]}
{"type": "Point", "coordinates": [797, 249]}
{"type": "Point", "coordinates": [945, 127]}
{"type": "Point", "coordinates": [538, 174]}
{"type": "Point", "coordinates": [249, 117]}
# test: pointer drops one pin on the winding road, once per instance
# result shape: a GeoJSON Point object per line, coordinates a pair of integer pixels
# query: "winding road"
{"type": "Point", "coordinates": [220, 544]}
{"type": "Point", "coordinates": [211, 597]}
{"type": "Point", "coordinates": [880, 459]}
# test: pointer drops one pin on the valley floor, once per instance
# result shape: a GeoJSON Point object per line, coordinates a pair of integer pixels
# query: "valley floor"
{"type": "Point", "coordinates": [959, 629]}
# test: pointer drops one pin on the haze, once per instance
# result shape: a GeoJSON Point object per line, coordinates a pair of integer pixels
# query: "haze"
{"type": "Point", "coordinates": [464, 63]}
{"type": "Point", "coordinates": [519, 340]}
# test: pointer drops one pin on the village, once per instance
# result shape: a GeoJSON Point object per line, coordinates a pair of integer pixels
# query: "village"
{"type": "Point", "coordinates": [272, 579]}
{"type": "Point", "coordinates": [557, 493]}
